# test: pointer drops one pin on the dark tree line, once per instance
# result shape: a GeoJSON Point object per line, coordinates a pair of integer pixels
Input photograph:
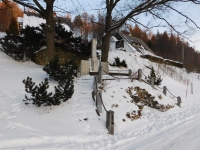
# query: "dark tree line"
{"type": "Point", "coordinates": [170, 46]}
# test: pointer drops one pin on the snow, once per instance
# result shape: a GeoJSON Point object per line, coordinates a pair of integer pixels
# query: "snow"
{"type": "Point", "coordinates": [34, 21]}
{"type": "Point", "coordinates": [63, 127]}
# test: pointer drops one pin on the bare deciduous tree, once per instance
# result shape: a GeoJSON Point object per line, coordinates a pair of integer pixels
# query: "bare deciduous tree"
{"type": "Point", "coordinates": [130, 10]}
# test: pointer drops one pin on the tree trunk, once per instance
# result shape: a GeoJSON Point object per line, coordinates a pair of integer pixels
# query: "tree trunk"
{"type": "Point", "coordinates": [49, 30]}
{"type": "Point", "coordinates": [106, 38]}
{"type": "Point", "coordinates": [106, 47]}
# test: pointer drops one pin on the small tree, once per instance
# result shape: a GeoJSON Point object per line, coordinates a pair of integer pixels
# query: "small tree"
{"type": "Point", "coordinates": [60, 71]}
{"type": "Point", "coordinates": [39, 94]}
{"type": "Point", "coordinates": [53, 69]}
{"type": "Point", "coordinates": [64, 90]}
{"type": "Point", "coordinates": [119, 63]}
{"type": "Point", "coordinates": [157, 79]}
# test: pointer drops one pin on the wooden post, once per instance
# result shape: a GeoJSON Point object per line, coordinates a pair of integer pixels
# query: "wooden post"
{"type": "Point", "coordinates": [93, 95]}
{"type": "Point", "coordinates": [179, 101]}
{"type": "Point", "coordinates": [98, 101]}
{"type": "Point", "coordinates": [140, 75]}
{"type": "Point", "coordinates": [165, 90]}
{"type": "Point", "coordinates": [100, 74]}
{"type": "Point", "coordinates": [129, 72]}
{"type": "Point", "coordinates": [152, 82]}
{"type": "Point", "coordinates": [191, 87]}
{"type": "Point", "coordinates": [110, 121]}
{"type": "Point", "coordinates": [78, 74]}
{"type": "Point", "coordinates": [95, 83]}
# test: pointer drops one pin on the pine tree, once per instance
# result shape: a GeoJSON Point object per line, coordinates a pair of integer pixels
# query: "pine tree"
{"type": "Point", "coordinates": [60, 71]}
{"type": "Point", "coordinates": [157, 80]}
{"type": "Point", "coordinates": [22, 47]}
{"type": "Point", "coordinates": [53, 69]}
{"type": "Point", "coordinates": [39, 95]}
{"type": "Point", "coordinates": [64, 90]}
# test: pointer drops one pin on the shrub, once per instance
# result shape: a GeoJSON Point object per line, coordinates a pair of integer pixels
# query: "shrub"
{"type": "Point", "coordinates": [119, 63]}
{"type": "Point", "coordinates": [157, 79]}
{"type": "Point", "coordinates": [60, 71]}
{"type": "Point", "coordinates": [64, 90]}
{"type": "Point", "coordinates": [63, 73]}
{"type": "Point", "coordinates": [39, 95]}
{"type": "Point", "coordinates": [22, 47]}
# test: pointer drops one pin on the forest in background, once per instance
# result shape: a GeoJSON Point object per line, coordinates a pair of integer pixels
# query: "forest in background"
{"type": "Point", "coordinates": [166, 45]}
{"type": "Point", "coordinates": [169, 46]}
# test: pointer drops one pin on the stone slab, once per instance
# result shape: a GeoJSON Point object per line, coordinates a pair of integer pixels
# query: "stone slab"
{"type": "Point", "coordinates": [84, 69]}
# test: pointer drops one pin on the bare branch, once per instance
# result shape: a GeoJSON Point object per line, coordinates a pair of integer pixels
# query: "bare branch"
{"type": "Point", "coordinates": [30, 6]}
{"type": "Point", "coordinates": [183, 16]}
{"type": "Point", "coordinates": [161, 18]}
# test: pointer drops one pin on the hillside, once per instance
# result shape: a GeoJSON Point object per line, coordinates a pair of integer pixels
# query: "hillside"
{"type": "Point", "coordinates": [75, 124]}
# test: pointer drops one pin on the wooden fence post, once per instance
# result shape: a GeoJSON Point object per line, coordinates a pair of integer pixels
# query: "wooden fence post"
{"type": "Point", "coordinates": [78, 73]}
{"type": "Point", "coordinates": [152, 82]}
{"type": "Point", "coordinates": [140, 75]}
{"type": "Point", "coordinates": [100, 74]}
{"type": "Point", "coordinates": [98, 101]}
{"type": "Point", "coordinates": [179, 101]}
{"type": "Point", "coordinates": [165, 90]}
{"type": "Point", "coordinates": [129, 72]}
{"type": "Point", "coordinates": [191, 87]}
{"type": "Point", "coordinates": [110, 121]}
{"type": "Point", "coordinates": [95, 84]}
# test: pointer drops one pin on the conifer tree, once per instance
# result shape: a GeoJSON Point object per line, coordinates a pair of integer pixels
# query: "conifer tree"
{"type": "Point", "coordinates": [64, 90]}
{"type": "Point", "coordinates": [22, 47]}
{"type": "Point", "coordinates": [53, 69]}
{"type": "Point", "coordinates": [60, 71]}
{"type": "Point", "coordinates": [157, 79]}
{"type": "Point", "coordinates": [39, 94]}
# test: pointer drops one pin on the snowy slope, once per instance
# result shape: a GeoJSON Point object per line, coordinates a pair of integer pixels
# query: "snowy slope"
{"type": "Point", "coordinates": [63, 127]}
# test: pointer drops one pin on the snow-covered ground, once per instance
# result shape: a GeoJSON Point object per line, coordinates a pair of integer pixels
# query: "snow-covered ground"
{"type": "Point", "coordinates": [27, 127]}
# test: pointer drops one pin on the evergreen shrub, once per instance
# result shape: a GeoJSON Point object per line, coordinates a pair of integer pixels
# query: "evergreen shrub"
{"type": "Point", "coordinates": [60, 71]}
{"type": "Point", "coordinates": [119, 63]}
{"type": "Point", "coordinates": [157, 79]}
{"type": "Point", "coordinates": [22, 47]}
